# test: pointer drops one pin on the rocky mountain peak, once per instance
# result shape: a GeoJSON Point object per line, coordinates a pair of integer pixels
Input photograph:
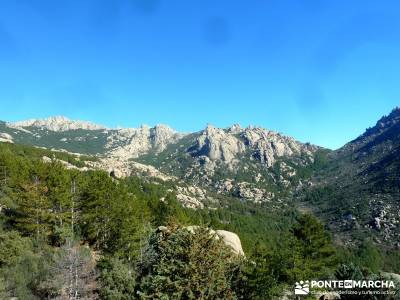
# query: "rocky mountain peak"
{"type": "Point", "coordinates": [235, 128]}
{"type": "Point", "coordinates": [133, 142]}
{"type": "Point", "coordinates": [227, 144]}
{"type": "Point", "coordinates": [269, 145]}
{"type": "Point", "coordinates": [56, 123]}
{"type": "Point", "coordinates": [217, 144]}
{"type": "Point", "coordinates": [161, 135]}
{"type": "Point", "coordinates": [163, 129]}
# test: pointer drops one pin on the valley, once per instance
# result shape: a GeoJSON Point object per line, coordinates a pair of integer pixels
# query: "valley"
{"type": "Point", "coordinates": [259, 184]}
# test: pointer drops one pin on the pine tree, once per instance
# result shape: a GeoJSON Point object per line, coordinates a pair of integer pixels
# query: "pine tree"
{"type": "Point", "coordinates": [34, 208]}
{"type": "Point", "coordinates": [313, 251]}
{"type": "Point", "coordinates": [96, 206]}
{"type": "Point", "coordinates": [58, 183]}
{"type": "Point", "coordinates": [180, 264]}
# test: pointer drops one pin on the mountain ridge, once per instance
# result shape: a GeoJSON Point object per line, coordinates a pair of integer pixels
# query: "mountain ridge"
{"type": "Point", "coordinates": [251, 163]}
{"type": "Point", "coordinates": [356, 193]}
{"type": "Point", "coordinates": [56, 123]}
{"type": "Point", "coordinates": [360, 179]}
{"type": "Point", "coordinates": [159, 135]}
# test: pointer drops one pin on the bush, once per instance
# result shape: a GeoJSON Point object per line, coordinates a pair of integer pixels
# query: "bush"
{"type": "Point", "coordinates": [117, 279]}
{"type": "Point", "coordinates": [178, 263]}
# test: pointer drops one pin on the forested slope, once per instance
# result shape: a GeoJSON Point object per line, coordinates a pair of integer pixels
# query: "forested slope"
{"type": "Point", "coordinates": [69, 234]}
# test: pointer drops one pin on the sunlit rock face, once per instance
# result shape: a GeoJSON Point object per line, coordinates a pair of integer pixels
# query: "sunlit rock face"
{"type": "Point", "coordinates": [217, 144]}
{"type": "Point", "coordinates": [230, 239]}
{"type": "Point", "coordinates": [133, 142]}
{"type": "Point", "coordinates": [262, 144]}
{"type": "Point", "coordinates": [58, 123]}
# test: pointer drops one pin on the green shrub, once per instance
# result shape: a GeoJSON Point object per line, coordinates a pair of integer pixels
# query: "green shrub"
{"type": "Point", "coordinates": [117, 279]}
{"type": "Point", "coordinates": [180, 264]}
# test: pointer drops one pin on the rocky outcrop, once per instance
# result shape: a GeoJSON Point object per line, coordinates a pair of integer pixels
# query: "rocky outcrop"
{"type": "Point", "coordinates": [191, 196]}
{"type": "Point", "coordinates": [268, 145]}
{"type": "Point", "coordinates": [189, 201]}
{"type": "Point", "coordinates": [218, 157]}
{"type": "Point", "coordinates": [264, 145]}
{"type": "Point", "coordinates": [120, 168]}
{"type": "Point", "coordinates": [162, 135]}
{"type": "Point", "coordinates": [6, 138]}
{"type": "Point", "coordinates": [230, 239]}
{"type": "Point", "coordinates": [58, 123]}
{"type": "Point", "coordinates": [133, 142]}
{"type": "Point", "coordinates": [246, 191]}
{"type": "Point", "coordinates": [217, 144]}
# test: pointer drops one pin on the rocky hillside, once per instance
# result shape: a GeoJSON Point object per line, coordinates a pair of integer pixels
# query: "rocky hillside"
{"type": "Point", "coordinates": [134, 142]}
{"type": "Point", "coordinates": [358, 190]}
{"type": "Point", "coordinates": [58, 123]}
{"type": "Point", "coordinates": [376, 153]}
{"type": "Point", "coordinates": [252, 163]}
{"type": "Point", "coordinates": [87, 138]}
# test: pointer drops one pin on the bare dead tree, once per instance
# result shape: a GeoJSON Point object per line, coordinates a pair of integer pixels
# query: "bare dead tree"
{"type": "Point", "coordinates": [73, 273]}
{"type": "Point", "coordinates": [73, 195]}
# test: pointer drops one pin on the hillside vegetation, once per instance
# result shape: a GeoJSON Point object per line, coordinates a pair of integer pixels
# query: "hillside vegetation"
{"type": "Point", "coordinates": [69, 230]}
{"type": "Point", "coordinates": [66, 232]}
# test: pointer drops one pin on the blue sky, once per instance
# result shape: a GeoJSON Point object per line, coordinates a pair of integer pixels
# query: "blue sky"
{"type": "Point", "coordinates": [321, 71]}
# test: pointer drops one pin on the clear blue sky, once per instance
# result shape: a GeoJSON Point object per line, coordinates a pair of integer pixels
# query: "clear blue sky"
{"type": "Point", "coordinates": [321, 71]}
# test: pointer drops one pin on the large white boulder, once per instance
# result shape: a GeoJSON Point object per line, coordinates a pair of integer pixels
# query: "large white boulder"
{"type": "Point", "coordinates": [230, 239]}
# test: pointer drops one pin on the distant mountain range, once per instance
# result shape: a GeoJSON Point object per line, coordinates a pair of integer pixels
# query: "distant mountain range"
{"type": "Point", "coordinates": [252, 162]}
{"type": "Point", "coordinates": [355, 189]}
